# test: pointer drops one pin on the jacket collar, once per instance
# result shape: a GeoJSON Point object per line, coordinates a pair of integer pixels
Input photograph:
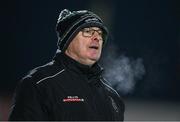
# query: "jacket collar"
{"type": "Point", "coordinates": [92, 73]}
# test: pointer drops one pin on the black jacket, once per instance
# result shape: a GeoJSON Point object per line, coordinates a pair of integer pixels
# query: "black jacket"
{"type": "Point", "coordinates": [66, 90]}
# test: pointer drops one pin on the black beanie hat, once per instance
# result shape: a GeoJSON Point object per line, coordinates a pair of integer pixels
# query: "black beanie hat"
{"type": "Point", "coordinates": [70, 23]}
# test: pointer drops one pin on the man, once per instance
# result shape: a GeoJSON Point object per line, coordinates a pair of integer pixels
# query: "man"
{"type": "Point", "coordinates": [71, 87]}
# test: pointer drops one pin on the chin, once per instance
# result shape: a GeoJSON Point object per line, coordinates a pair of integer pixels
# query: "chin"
{"type": "Point", "coordinates": [94, 58]}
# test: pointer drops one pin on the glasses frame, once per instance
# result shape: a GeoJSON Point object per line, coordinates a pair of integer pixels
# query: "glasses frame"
{"type": "Point", "coordinates": [89, 32]}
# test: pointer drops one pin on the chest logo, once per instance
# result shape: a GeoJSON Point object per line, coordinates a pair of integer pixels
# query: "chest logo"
{"type": "Point", "coordinates": [114, 104]}
{"type": "Point", "coordinates": [73, 99]}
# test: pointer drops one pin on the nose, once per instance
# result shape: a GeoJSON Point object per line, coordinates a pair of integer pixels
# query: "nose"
{"type": "Point", "coordinates": [96, 36]}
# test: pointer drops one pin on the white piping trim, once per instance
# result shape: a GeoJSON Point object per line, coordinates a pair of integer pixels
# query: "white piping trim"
{"type": "Point", "coordinates": [50, 76]}
{"type": "Point", "coordinates": [109, 86]}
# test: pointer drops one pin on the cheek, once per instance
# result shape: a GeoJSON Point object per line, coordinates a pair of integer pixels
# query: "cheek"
{"type": "Point", "coordinates": [101, 43]}
{"type": "Point", "coordinates": [82, 48]}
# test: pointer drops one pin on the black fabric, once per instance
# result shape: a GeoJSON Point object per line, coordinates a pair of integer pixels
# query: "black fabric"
{"type": "Point", "coordinates": [70, 23]}
{"type": "Point", "coordinates": [40, 95]}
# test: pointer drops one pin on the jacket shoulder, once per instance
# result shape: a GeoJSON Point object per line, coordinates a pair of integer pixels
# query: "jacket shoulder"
{"type": "Point", "coordinates": [42, 72]}
{"type": "Point", "coordinates": [108, 87]}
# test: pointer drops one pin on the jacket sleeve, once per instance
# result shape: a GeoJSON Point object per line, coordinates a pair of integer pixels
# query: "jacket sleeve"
{"type": "Point", "coordinates": [26, 102]}
{"type": "Point", "coordinates": [116, 101]}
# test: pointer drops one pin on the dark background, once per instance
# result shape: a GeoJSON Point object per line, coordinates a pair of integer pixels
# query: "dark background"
{"type": "Point", "coordinates": [149, 29]}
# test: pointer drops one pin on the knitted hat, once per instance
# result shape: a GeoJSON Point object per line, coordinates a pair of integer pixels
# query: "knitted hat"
{"type": "Point", "coordinates": [70, 23]}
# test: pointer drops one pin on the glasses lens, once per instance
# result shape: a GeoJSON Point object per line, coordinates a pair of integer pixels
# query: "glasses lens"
{"type": "Point", "coordinates": [87, 32]}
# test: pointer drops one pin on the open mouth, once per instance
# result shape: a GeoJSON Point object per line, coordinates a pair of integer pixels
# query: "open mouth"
{"type": "Point", "coordinates": [94, 47]}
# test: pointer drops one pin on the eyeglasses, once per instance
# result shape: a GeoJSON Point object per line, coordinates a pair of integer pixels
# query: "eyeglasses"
{"type": "Point", "coordinates": [89, 32]}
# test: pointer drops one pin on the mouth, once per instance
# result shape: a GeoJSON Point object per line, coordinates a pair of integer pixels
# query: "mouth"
{"type": "Point", "coordinates": [94, 47]}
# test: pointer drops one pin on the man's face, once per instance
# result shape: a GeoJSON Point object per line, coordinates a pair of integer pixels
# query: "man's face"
{"type": "Point", "coordinates": [86, 46]}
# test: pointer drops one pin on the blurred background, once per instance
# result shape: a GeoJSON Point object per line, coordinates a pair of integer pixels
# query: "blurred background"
{"type": "Point", "coordinates": [141, 58]}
